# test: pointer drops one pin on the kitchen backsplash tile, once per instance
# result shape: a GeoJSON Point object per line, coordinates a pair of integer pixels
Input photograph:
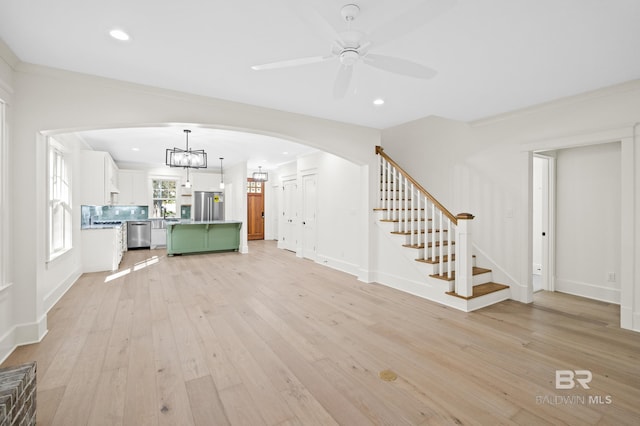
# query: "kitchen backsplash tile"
{"type": "Point", "coordinates": [185, 212]}
{"type": "Point", "coordinates": [91, 214]}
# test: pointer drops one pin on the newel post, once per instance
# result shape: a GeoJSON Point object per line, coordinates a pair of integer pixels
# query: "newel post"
{"type": "Point", "coordinates": [464, 256]}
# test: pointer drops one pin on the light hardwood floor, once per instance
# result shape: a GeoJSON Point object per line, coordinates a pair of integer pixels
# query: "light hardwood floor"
{"type": "Point", "coordinates": [267, 338]}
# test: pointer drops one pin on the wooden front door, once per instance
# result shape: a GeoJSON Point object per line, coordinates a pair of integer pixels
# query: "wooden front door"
{"type": "Point", "coordinates": [255, 210]}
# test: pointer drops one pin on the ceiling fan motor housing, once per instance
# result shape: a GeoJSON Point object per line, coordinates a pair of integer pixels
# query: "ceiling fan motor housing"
{"type": "Point", "coordinates": [349, 57]}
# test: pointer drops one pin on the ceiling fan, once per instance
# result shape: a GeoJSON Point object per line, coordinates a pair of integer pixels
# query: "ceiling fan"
{"type": "Point", "coordinates": [352, 45]}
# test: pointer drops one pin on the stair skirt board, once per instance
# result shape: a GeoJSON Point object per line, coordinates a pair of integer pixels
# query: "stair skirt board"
{"type": "Point", "coordinates": [433, 291]}
{"type": "Point", "coordinates": [429, 290]}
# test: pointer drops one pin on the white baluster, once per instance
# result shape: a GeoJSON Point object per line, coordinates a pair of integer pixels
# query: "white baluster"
{"type": "Point", "coordinates": [441, 247]}
{"type": "Point", "coordinates": [405, 205]}
{"type": "Point", "coordinates": [393, 193]}
{"type": "Point", "coordinates": [380, 178]}
{"type": "Point", "coordinates": [450, 247]}
{"type": "Point", "coordinates": [433, 232]}
{"type": "Point", "coordinates": [387, 202]}
{"type": "Point", "coordinates": [425, 256]}
{"type": "Point", "coordinates": [413, 218]}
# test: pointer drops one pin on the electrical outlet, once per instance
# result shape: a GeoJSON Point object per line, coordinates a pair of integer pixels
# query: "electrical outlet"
{"type": "Point", "coordinates": [611, 277]}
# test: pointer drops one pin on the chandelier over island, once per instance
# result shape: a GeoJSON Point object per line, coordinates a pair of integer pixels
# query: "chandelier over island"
{"type": "Point", "coordinates": [187, 158]}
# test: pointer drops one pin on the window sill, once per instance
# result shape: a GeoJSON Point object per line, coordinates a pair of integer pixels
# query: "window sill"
{"type": "Point", "coordinates": [58, 255]}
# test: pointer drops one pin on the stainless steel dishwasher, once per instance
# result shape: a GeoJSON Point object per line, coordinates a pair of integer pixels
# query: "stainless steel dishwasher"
{"type": "Point", "coordinates": [138, 234]}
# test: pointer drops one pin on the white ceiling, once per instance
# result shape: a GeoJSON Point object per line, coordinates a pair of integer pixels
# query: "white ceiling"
{"type": "Point", "coordinates": [491, 56]}
{"type": "Point", "coordinates": [147, 145]}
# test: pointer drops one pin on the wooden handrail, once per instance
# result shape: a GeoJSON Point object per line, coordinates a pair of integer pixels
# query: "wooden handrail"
{"type": "Point", "coordinates": [452, 218]}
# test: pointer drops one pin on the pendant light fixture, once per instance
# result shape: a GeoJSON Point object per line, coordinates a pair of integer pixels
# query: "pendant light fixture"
{"type": "Point", "coordinates": [187, 184]}
{"type": "Point", "coordinates": [260, 176]}
{"type": "Point", "coordinates": [221, 174]}
{"type": "Point", "coordinates": [187, 158]}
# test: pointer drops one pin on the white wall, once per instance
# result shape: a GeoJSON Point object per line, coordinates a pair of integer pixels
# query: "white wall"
{"type": "Point", "coordinates": [588, 221]}
{"type": "Point", "coordinates": [235, 199]}
{"type": "Point", "coordinates": [8, 338]}
{"type": "Point", "coordinates": [340, 190]}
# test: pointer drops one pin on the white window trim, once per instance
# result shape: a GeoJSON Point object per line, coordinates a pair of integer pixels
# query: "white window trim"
{"type": "Point", "coordinates": [4, 170]}
{"type": "Point", "coordinates": [52, 144]}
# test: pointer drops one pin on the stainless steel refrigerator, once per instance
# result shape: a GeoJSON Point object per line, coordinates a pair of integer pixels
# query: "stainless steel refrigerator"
{"type": "Point", "coordinates": [208, 206]}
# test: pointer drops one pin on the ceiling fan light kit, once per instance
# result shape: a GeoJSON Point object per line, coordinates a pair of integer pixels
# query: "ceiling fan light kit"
{"type": "Point", "coordinates": [352, 45]}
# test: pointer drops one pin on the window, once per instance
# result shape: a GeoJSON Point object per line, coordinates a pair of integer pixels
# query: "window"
{"type": "Point", "coordinates": [164, 198]}
{"type": "Point", "coordinates": [59, 198]}
{"type": "Point", "coordinates": [3, 201]}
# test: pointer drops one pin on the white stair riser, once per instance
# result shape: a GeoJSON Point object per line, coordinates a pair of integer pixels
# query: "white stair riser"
{"type": "Point", "coordinates": [477, 280]}
{"type": "Point", "coordinates": [427, 235]}
{"type": "Point", "coordinates": [401, 215]}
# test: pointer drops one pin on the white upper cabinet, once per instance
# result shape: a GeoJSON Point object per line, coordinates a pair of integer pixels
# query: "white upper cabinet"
{"type": "Point", "coordinates": [203, 181]}
{"type": "Point", "coordinates": [134, 187]}
{"type": "Point", "coordinates": [99, 178]}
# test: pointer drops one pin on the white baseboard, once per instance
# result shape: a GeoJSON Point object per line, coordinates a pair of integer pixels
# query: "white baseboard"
{"type": "Point", "coordinates": [590, 291]}
{"type": "Point", "coordinates": [56, 294]}
{"type": "Point", "coordinates": [629, 320]}
{"type": "Point", "coordinates": [22, 334]}
{"type": "Point", "coordinates": [365, 276]}
{"type": "Point", "coordinates": [421, 289]}
{"type": "Point", "coordinates": [25, 334]}
{"type": "Point", "coordinates": [338, 264]}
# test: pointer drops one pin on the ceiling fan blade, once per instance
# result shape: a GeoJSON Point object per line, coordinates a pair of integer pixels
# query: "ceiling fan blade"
{"type": "Point", "coordinates": [400, 66]}
{"type": "Point", "coordinates": [343, 79]}
{"type": "Point", "coordinates": [292, 62]}
{"type": "Point", "coordinates": [313, 19]}
{"type": "Point", "coordinates": [410, 20]}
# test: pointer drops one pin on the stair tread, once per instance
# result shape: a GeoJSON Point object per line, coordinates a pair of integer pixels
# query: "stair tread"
{"type": "Point", "coordinates": [481, 290]}
{"type": "Point", "coordinates": [421, 246]}
{"type": "Point", "coordinates": [398, 220]}
{"type": "Point", "coordinates": [417, 231]}
{"type": "Point", "coordinates": [437, 259]}
{"type": "Point", "coordinates": [476, 271]}
{"type": "Point", "coordinates": [382, 209]}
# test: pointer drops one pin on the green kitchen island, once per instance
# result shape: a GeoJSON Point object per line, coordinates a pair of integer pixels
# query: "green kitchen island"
{"type": "Point", "coordinates": [187, 236]}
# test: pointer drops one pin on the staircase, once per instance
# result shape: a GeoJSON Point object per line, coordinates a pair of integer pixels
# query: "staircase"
{"type": "Point", "coordinates": [437, 248]}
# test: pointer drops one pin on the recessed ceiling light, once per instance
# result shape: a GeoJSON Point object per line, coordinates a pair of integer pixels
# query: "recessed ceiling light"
{"type": "Point", "coordinates": [378, 101]}
{"type": "Point", "coordinates": [119, 34]}
{"type": "Point", "coordinates": [285, 153]}
{"type": "Point", "coordinates": [135, 149]}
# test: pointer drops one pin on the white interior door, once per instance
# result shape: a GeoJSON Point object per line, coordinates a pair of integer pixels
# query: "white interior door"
{"type": "Point", "coordinates": [288, 219]}
{"type": "Point", "coordinates": [542, 206]}
{"type": "Point", "coordinates": [309, 215]}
